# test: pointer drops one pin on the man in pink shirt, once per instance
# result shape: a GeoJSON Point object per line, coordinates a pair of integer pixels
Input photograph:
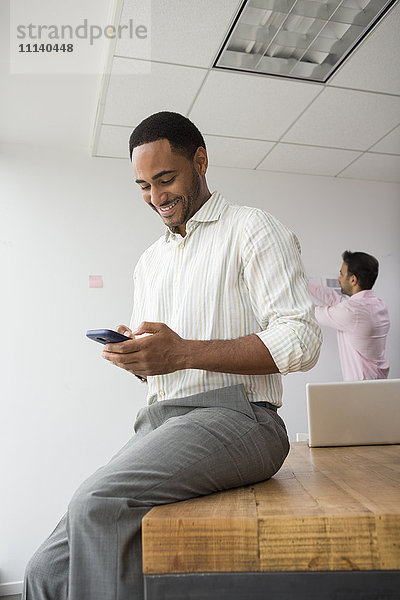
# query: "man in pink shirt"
{"type": "Point", "coordinates": [362, 320]}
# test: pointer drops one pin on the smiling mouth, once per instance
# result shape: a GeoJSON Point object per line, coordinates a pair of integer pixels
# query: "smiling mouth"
{"type": "Point", "coordinates": [166, 210]}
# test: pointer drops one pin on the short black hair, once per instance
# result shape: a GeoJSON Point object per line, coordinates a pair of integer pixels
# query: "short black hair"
{"type": "Point", "coordinates": [182, 134]}
{"type": "Point", "coordinates": [364, 266]}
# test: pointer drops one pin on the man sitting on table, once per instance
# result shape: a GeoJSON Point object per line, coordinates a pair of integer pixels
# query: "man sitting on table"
{"type": "Point", "coordinates": [225, 300]}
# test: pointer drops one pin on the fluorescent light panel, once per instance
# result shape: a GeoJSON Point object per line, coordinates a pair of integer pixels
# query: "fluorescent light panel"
{"type": "Point", "coordinates": [300, 39]}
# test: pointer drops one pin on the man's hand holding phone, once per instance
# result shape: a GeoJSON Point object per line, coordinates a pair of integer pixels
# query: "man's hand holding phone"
{"type": "Point", "coordinates": [152, 349]}
{"type": "Point", "coordinates": [108, 336]}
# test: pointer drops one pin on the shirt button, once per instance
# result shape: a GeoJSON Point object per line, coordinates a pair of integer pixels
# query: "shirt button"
{"type": "Point", "coordinates": [181, 245]}
{"type": "Point", "coordinates": [162, 393]}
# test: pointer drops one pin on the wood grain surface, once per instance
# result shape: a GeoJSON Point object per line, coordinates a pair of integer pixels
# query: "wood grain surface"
{"type": "Point", "coordinates": [327, 509]}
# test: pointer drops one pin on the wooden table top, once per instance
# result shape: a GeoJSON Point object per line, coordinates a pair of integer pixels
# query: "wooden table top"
{"type": "Point", "coordinates": [327, 509]}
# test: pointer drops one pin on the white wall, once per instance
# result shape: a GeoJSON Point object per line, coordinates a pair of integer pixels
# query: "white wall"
{"type": "Point", "coordinates": [63, 216]}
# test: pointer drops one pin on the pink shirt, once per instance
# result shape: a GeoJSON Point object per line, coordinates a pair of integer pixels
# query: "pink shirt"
{"type": "Point", "coordinates": [362, 323]}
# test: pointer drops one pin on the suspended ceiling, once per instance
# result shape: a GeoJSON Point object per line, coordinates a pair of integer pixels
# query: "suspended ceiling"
{"type": "Point", "coordinates": [349, 127]}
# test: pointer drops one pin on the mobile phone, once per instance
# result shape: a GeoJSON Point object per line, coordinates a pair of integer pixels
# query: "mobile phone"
{"type": "Point", "coordinates": [106, 336]}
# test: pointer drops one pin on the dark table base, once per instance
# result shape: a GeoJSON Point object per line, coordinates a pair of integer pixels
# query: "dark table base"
{"type": "Point", "coordinates": [315, 585]}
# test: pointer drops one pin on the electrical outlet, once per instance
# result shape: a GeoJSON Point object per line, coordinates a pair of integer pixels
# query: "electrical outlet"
{"type": "Point", "coordinates": [301, 437]}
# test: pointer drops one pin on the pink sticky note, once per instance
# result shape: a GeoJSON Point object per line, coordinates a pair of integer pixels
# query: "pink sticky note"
{"type": "Point", "coordinates": [95, 281]}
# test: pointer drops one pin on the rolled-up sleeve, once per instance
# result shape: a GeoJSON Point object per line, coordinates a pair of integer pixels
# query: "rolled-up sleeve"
{"type": "Point", "coordinates": [279, 293]}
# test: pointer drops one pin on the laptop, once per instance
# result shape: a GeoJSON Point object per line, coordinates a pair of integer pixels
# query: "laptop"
{"type": "Point", "coordinates": [354, 413]}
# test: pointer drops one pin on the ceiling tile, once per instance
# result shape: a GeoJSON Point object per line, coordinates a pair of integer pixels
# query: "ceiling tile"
{"type": "Point", "coordinates": [378, 167]}
{"type": "Point", "coordinates": [307, 159]}
{"type": "Point", "coordinates": [390, 143]}
{"type": "Point", "coordinates": [134, 93]}
{"type": "Point", "coordinates": [250, 106]}
{"type": "Point", "coordinates": [375, 64]}
{"type": "Point", "coordinates": [114, 141]}
{"type": "Point", "coordinates": [181, 32]}
{"type": "Point", "coordinates": [222, 152]}
{"type": "Point", "coordinates": [346, 119]}
{"type": "Point", "coordinates": [234, 152]}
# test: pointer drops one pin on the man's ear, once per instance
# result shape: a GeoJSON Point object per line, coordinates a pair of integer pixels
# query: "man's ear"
{"type": "Point", "coordinates": [200, 160]}
{"type": "Point", "coordinates": [353, 280]}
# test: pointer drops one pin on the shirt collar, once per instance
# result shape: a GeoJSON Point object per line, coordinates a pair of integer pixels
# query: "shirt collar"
{"type": "Point", "coordinates": [363, 294]}
{"type": "Point", "coordinates": [210, 211]}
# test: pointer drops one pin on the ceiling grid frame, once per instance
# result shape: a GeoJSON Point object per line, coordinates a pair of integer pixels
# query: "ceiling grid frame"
{"type": "Point", "coordinates": [210, 117]}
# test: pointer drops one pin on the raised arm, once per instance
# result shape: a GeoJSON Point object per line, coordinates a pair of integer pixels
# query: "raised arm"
{"type": "Point", "coordinates": [325, 294]}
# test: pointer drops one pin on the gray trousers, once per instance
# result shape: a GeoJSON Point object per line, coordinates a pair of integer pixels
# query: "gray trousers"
{"type": "Point", "coordinates": [182, 448]}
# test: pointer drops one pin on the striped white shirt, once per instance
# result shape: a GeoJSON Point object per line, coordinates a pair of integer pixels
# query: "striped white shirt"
{"type": "Point", "coordinates": [237, 271]}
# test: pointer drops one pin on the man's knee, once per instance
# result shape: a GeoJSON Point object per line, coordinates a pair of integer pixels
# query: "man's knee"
{"type": "Point", "coordinates": [92, 506]}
